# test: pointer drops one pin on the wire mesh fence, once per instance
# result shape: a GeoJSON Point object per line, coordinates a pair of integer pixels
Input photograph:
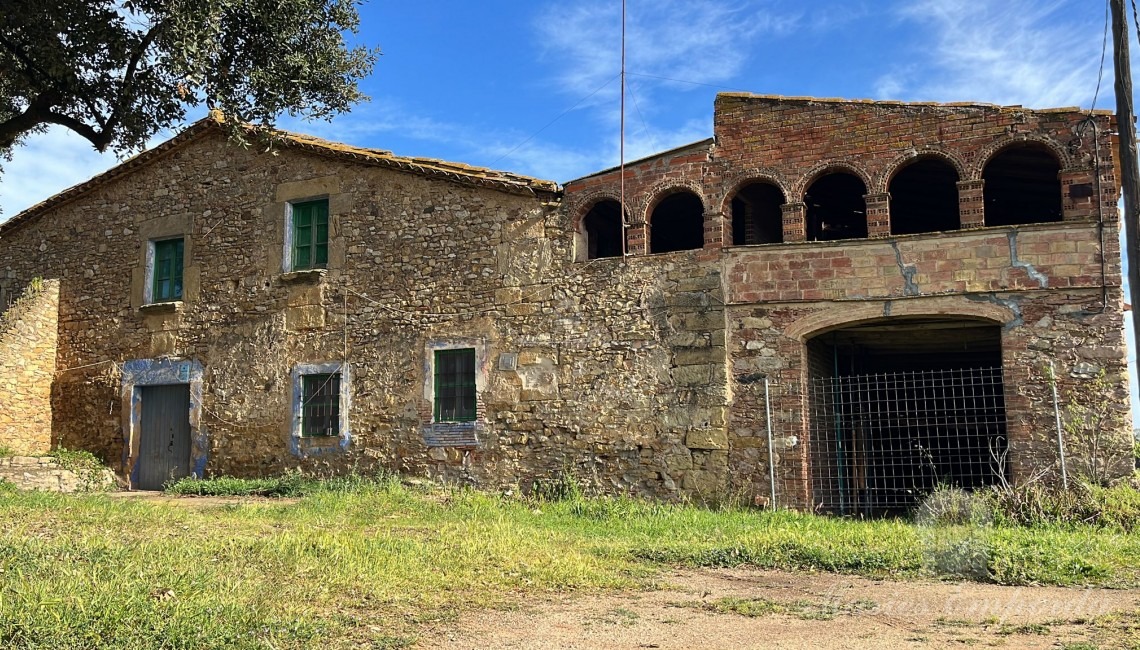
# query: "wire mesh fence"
{"type": "Point", "coordinates": [875, 444]}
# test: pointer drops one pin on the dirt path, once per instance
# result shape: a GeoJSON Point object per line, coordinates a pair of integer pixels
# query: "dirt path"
{"type": "Point", "coordinates": [773, 609]}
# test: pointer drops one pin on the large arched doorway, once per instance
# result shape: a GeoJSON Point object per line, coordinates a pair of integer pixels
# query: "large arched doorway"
{"type": "Point", "coordinates": [901, 406]}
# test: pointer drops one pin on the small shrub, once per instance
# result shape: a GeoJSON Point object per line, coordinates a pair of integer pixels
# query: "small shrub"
{"type": "Point", "coordinates": [90, 470]}
{"type": "Point", "coordinates": [6, 452]}
{"type": "Point", "coordinates": [1116, 507]}
{"type": "Point", "coordinates": [952, 506]}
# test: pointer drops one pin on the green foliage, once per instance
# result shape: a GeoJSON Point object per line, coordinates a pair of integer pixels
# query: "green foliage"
{"type": "Point", "coordinates": [30, 292]}
{"type": "Point", "coordinates": [87, 467]}
{"type": "Point", "coordinates": [6, 452]}
{"type": "Point", "coordinates": [951, 506]}
{"type": "Point", "coordinates": [289, 484]}
{"type": "Point", "coordinates": [1037, 505]}
{"type": "Point", "coordinates": [7, 487]}
{"type": "Point", "coordinates": [801, 609]}
{"type": "Point", "coordinates": [118, 72]}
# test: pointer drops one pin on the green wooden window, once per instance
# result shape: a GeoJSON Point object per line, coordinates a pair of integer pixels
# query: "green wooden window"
{"type": "Point", "coordinates": [455, 385]}
{"type": "Point", "coordinates": [311, 234]}
{"type": "Point", "coordinates": [320, 405]}
{"type": "Point", "coordinates": [167, 281]}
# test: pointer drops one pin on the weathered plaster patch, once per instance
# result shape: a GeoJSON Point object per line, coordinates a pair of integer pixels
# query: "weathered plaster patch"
{"type": "Point", "coordinates": [1041, 279]}
{"type": "Point", "coordinates": [908, 272]}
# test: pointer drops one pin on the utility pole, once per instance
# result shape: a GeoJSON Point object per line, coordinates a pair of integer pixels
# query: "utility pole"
{"type": "Point", "coordinates": [1130, 174]}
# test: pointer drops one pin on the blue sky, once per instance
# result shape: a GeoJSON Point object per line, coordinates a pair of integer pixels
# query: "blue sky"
{"type": "Point", "coordinates": [477, 81]}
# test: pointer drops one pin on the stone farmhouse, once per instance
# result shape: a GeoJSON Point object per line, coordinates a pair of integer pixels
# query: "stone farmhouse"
{"type": "Point", "coordinates": [839, 303]}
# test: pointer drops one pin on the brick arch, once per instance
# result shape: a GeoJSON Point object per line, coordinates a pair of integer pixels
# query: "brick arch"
{"type": "Point", "coordinates": [817, 172]}
{"type": "Point", "coordinates": [826, 320]}
{"type": "Point", "coordinates": [582, 205]}
{"type": "Point", "coordinates": [1061, 152]}
{"type": "Point", "coordinates": [660, 191]}
{"type": "Point", "coordinates": [739, 181]}
{"type": "Point", "coordinates": [883, 182]}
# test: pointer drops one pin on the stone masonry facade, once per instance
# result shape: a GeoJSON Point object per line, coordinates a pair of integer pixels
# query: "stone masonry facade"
{"type": "Point", "coordinates": [27, 366]}
{"type": "Point", "coordinates": [636, 373]}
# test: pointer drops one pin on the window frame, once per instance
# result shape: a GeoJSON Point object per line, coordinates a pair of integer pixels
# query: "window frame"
{"type": "Point", "coordinates": [429, 413]}
{"type": "Point", "coordinates": [317, 246]}
{"type": "Point", "coordinates": [177, 272]}
{"type": "Point", "coordinates": [450, 375]}
{"type": "Point", "coordinates": [301, 398]}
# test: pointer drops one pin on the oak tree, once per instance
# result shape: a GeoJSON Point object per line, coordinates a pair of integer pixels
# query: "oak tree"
{"type": "Point", "coordinates": [118, 71]}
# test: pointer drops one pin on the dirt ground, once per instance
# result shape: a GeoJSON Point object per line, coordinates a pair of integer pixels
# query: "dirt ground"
{"type": "Point", "coordinates": [774, 609]}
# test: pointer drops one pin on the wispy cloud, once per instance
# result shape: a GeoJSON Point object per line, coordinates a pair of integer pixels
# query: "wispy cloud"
{"type": "Point", "coordinates": [694, 40]}
{"type": "Point", "coordinates": [1031, 52]}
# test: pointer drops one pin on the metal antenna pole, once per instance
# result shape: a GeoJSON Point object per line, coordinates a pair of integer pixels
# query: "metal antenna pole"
{"type": "Point", "coordinates": [621, 144]}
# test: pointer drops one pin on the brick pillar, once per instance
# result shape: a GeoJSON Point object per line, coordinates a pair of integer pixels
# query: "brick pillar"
{"type": "Point", "coordinates": [878, 214]}
{"type": "Point", "coordinates": [971, 204]}
{"type": "Point", "coordinates": [715, 230]}
{"type": "Point", "coordinates": [1078, 194]}
{"type": "Point", "coordinates": [795, 221]}
{"type": "Point", "coordinates": [637, 239]}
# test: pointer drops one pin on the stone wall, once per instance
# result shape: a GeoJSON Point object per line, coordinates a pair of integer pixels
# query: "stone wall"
{"type": "Point", "coordinates": [27, 365]}
{"type": "Point", "coordinates": [46, 474]}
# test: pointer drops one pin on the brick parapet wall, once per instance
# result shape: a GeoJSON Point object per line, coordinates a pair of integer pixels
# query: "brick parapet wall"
{"type": "Point", "coordinates": [1047, 256]}
{"type": "Point", "coordinates": [28, 334]}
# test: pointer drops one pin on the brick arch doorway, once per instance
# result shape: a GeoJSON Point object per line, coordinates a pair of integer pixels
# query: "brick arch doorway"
{"type": "Point", "coordinates": [900, 406]}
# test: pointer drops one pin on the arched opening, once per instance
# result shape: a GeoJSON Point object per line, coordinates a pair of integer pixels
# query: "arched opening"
{"type": "Point", "coordinates": [1022, 185]}
{"type": "Point", "coordinates": [756, 215]}
{"type": "Point", "coordinates": [924, 198]}
{"type": "Point", "coordinates": [900, 406]}
{"type": "Point", "coordinates": [602, 229]}
{"type": "Point", "coordinates": [836, 208]}
{"type": "Point", "coordinates": [677, 223]}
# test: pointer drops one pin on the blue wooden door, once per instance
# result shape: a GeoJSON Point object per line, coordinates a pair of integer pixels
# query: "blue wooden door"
{"type": "Point", "coordinates": [164, 443]}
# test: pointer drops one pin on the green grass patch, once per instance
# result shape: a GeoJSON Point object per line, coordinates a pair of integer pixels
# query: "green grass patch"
{"type": "Point", "coordinates": [367, 561]}
{"type": "Point", "coordinates": [802, 609]}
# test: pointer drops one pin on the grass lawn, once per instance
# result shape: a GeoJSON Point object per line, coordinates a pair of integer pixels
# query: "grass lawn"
{"type": "Point", "coordinates": [368, 562]}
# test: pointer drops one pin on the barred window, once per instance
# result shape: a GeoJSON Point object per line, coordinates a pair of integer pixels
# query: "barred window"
{"type": "Point", "coordinates": [455, 385]}
{"type": "Point", "coordinates": [320, 405]}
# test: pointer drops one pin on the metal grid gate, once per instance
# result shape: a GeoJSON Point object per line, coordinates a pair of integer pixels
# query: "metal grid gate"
{"type": "Point", "coordinates": [879, 442]}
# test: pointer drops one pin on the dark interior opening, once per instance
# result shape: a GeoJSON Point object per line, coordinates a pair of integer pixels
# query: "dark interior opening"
{"type": "Point", "coordinates": [899, 407]}
{"type": "Point", "coordinates": [1022, 185]}
{"type": "Point", "coordinates": [836, 208]}
{"type": "Point", "coordinates": [924, 198]}
{"type": "Point", "coordinates": [756, 215]}
{"type": "Point", "coordinates": [677, 224]}
{"type": "Point", "coordinates": [603, 229]}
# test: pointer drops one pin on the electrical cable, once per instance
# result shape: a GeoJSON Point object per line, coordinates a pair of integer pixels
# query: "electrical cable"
{"type": "Point", "coordinates": [1103, 51]}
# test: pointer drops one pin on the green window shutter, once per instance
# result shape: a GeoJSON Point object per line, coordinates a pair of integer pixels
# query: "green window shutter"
{"type": "Point", "coordinates": [167, 272]}
{"type": "Point", "coordinates": [320, 405]}
{"type": "Point", "coordinates": [455, 385]}
{"type": "Point", "coordinates": [310, 234]}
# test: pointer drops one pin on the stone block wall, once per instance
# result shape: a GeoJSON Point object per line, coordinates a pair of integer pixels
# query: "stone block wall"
{"type": "Point", "coordinates": [27, 366]}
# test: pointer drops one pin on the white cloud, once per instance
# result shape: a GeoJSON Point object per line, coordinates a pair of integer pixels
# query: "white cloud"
{"type": "Point", "coordinates": [692, 40]}
{"type": "Point", "coordinates": [1030, 52]}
